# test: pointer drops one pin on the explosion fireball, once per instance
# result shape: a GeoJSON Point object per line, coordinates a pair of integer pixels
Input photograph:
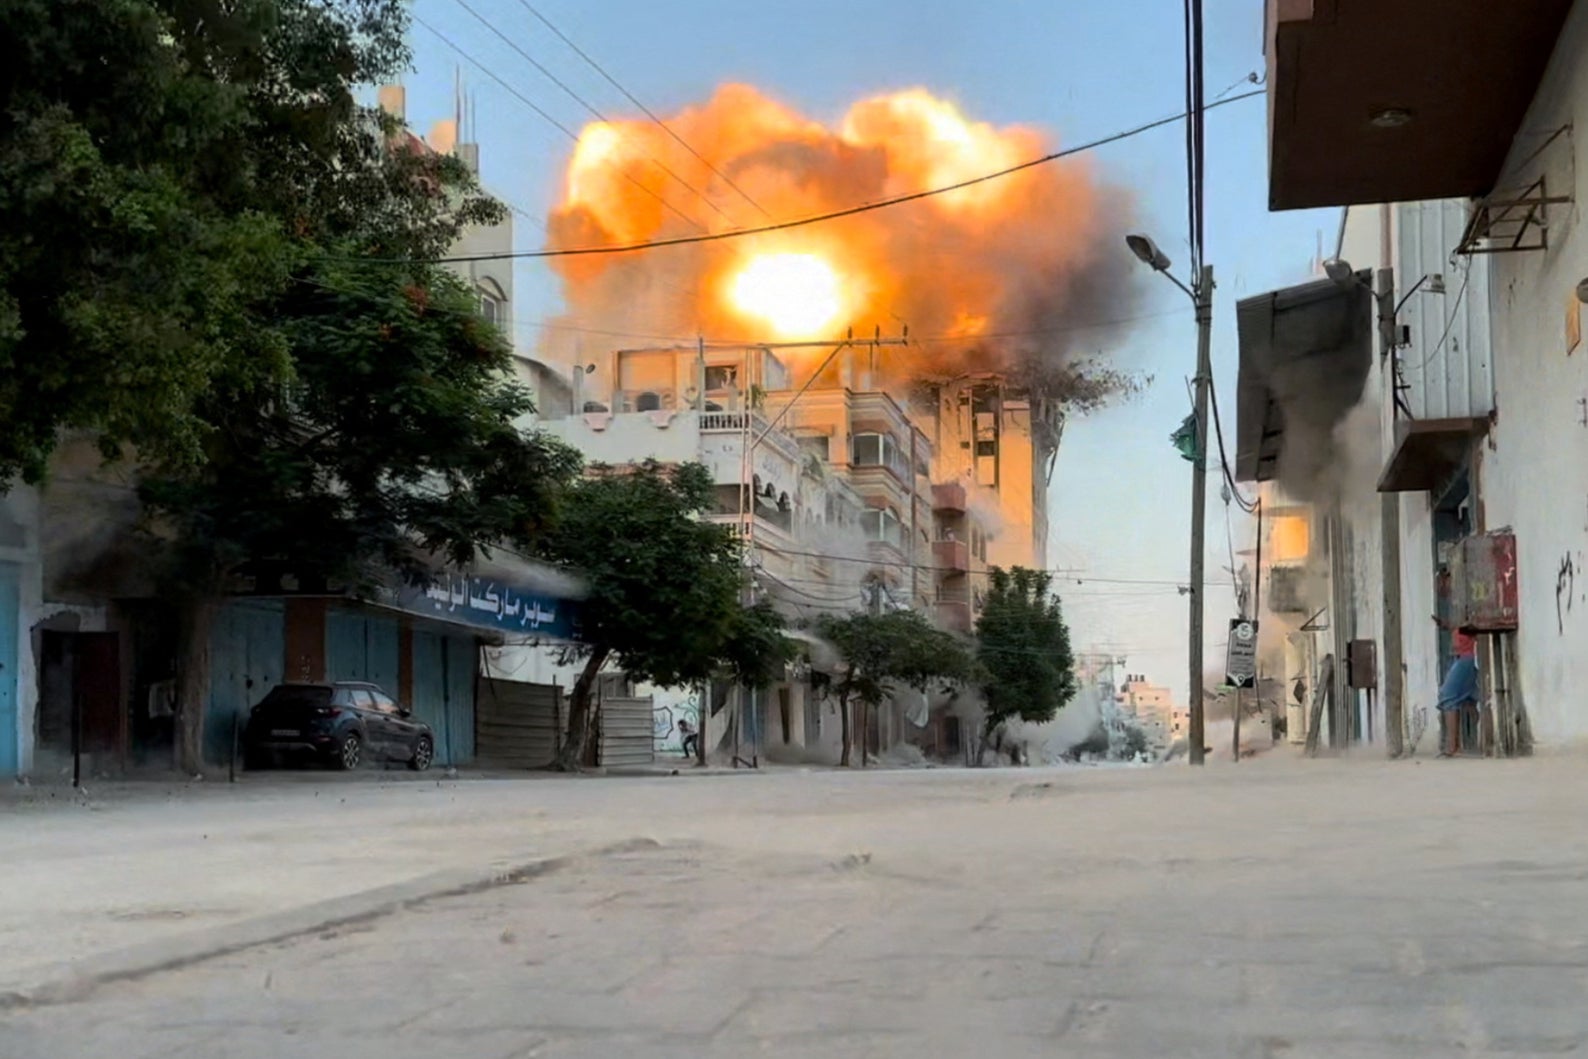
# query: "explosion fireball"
{"type": "Point", "coordinates": [986, 277]}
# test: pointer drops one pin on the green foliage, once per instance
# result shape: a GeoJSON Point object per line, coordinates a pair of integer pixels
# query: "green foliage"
{"type": "Point", "coordinates": [881, 651]}
{"type": "Point", "coordinates": [757, 650]}
{"type": "Point", "coordinates": [165, 169]}
{"type": "Point", "coordinates": [383, 432]}
{"type": "Point", "coordinates": [663, 584]}
{"type": "Point", "coordinates": [392, 440]}
{"type": "Point", "coordinates": [1023, 648]}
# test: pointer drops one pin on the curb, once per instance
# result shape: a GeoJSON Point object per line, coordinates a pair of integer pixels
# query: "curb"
{"type": "Point", "coordinates": [68, 982]}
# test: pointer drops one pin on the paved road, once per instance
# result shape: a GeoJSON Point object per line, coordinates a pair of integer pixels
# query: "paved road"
{"type": "Point", "coordinates": [1274, 908]}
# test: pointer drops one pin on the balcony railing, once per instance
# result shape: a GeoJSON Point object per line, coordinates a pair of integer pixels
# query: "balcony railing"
{"type": "Point", "coordinates": [731, 423]}
{"type": "Point", "coordinates": [955, 617]}
{"type": "Point", "coordinates": [951, 555]}
{"type": "Point", "coordinates": [950, 497]}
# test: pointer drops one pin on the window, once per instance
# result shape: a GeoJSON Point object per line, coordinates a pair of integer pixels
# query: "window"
{"type": "Point", "coordinates": [879, 450]}
{"type": "Point", "coordinates": [362, 698]}
{"type": "Point", "coordinates": [882, 525]}
{"type": "Point", "coordinates": [493, 303]}
{"type": "Point", "coordinates": [818, 445]}
{"type": "Point", "coordinates": [865, 450]}
{"type": "Point", "coordinates": [383, 702]}
{"type": "Point", "coordinates": [720, 377]}
{"type": "Point", "coordinates": [1288, 538]}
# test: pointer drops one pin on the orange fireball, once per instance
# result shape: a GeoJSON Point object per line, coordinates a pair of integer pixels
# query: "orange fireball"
{"type": "Point", "coordinates": [995, 269]}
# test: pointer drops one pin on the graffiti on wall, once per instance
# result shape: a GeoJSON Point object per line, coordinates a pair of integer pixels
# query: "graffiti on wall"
{"type": "Point", "coordinates": [1565, 590]}
{"type": "Point", "coordinates": [669, 707]}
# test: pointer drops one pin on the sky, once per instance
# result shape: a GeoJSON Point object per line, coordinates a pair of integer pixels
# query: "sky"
{"type": "Point", "coordinates": [1081, 70]}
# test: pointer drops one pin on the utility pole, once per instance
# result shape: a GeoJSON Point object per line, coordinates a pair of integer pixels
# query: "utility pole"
{"type": "Point", "coordinates": [1202, 296]}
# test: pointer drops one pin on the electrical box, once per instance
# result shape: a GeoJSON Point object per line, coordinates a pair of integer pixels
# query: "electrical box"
{"type": "Point", "coordinates": [1483, 582]}
{"type": "Point", "coordinates": [1361, 665]}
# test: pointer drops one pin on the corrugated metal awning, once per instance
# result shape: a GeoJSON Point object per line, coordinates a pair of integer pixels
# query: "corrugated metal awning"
{"type": "Point", "coordinates": [1305, 352]}
{"type": "Point", "coordinates": [1428, 452]}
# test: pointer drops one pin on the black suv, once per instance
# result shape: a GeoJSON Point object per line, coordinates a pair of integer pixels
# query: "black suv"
{"type": "Point", "coordinates": [343, 724]}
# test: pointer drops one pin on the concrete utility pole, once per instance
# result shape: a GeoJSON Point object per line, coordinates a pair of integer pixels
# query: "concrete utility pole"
{"type": "Point", "coordinates": [1201, 295]}
{"type": "Point", "coordinates": [1390, 527]}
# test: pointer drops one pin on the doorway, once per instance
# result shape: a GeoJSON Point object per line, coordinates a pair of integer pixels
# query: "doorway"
{"type": "Point", "coordinates": [1452, 520]}
{"type": "Point", "coordinates": [79, 695]}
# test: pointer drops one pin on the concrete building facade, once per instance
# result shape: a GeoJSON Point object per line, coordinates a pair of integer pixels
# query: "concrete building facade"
{"type": "Point", "coordinates": [1462, 183]}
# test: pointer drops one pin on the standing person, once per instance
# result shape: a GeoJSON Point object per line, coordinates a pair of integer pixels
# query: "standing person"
{"type": "Point", "coordinates": [1460, 688]}
{"type": "Point", "coordinates": [691, 738]}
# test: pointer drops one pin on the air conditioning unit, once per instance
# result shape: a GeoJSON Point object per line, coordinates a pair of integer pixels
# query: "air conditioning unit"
{"type": "Point", "coordinates": [1285, 590]}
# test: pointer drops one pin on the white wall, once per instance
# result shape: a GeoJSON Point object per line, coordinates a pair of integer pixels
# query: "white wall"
{"type": "Point", "coordinates": [1534, 468]}
{"type": "Point", "coordinates": [631, 437]}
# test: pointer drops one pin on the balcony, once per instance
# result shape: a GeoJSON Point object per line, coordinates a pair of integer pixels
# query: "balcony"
{"type": "Point", "coordinates": [951, 555]}
{"type": "Point", "coordinates": [954, 616]}
{"type": "Point", "coordinates": [949, 498]}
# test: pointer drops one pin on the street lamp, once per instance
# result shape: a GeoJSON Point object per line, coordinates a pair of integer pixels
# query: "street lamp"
{"type": "Point", "coordinates": [1201, 295]}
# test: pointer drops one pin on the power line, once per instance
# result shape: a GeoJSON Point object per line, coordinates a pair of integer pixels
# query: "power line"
{"type": "Point", "coordinates": [1248, 506]}
{"type": "Point", "coordinates": [577, 98]}
{"type": "Point", "coordinates": [565, 130]}
{"type": "Point", "coordinates": [1078, 577]}
{"type": "Point", "coordinates": [832, 215]}
{"type": "Point", "coordinates": [726, 179]}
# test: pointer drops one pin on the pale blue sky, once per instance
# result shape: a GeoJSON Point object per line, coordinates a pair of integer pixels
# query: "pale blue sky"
{"type": "Point", "coordinates": [1082, 69]}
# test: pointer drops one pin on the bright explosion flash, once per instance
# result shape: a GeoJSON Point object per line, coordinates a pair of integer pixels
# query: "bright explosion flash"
{"type": "Point", "coordinates": [798, 294]}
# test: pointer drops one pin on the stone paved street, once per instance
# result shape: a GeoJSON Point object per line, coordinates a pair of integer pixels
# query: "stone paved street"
{"type": "Point", "coordinates": [1276, 908]}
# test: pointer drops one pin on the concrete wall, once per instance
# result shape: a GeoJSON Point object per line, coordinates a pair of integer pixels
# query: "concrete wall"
{"type": "Point", "coordinates": [668, 437]}
{"type": "Point", "coordinates": [1534, 467]}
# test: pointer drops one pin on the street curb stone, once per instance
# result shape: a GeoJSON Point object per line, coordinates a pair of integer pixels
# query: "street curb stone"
{"type": "Point", "coordinates": [66, 982]}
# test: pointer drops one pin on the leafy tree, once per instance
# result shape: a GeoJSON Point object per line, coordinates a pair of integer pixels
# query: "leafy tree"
{"type": "Point", "coordinates": [1023, 649]}
{"type": "Point", "coordinates": [393, 442]}
{"type": "Point", "coordinates": [662, 588]}
{"type": "Point", "coordinates": [352, 417]}
{"type": "Point", "coordinates": [882, 651]}
{"type": "Point", "coordinates": [120, 287]}
{"type": "Point", "coordinates": [162, 164]}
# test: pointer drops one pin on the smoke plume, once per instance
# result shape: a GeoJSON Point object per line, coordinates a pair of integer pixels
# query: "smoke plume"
{"type": "Point", "coordinates": [986, 277]}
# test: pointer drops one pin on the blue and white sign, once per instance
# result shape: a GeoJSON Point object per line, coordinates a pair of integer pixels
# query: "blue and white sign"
{"type": "Point", "coordinates": [489, 604]}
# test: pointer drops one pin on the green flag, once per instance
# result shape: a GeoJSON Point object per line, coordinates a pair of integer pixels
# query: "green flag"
{"type": "Point", "coordinates": [1185, 439]}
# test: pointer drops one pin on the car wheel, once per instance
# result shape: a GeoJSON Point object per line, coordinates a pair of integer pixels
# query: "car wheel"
{"type": "Point", "coordinates": [424, 754]}
{"type": "Point", "coordinates": [350, 753]}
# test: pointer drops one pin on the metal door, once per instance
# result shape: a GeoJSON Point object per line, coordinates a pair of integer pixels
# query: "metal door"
{"type": "Point", "coordinates": [360, 647]}
{"type": "Point", "coordinates": [247, 647]}
{"type": "Point", "coordinates": [10, 628]}
{"type": "Point", "coordinates": [625, 732]}
{"type": "Point", "coordinates": [443, 668]}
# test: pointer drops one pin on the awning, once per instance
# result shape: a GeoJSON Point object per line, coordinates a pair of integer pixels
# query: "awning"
{"type": "Point", "coordinates": [1399, 100]}
{"type": "Point", "coordinates": [1305, 355]}
{"type": "Point", "coordinates": [823, 655]}
{"type": "Point", "coordinates": [1427, 452]}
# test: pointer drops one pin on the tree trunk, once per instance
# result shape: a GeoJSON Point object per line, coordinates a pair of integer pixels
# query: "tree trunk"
{"type": "Point", "coordinates": [865, 732]}
{"type": "Point", "coordinates": [843, 714]}
{"type": "Point", "coordinates": [572, 756]}
{"type": "Point", "coordinates": [196, 619]}
{"type": "Point", "coordinates": [700, 725]}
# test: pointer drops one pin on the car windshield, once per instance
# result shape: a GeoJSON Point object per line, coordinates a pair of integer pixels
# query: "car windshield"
{"type": "Point", "coordinates": [298, 695]}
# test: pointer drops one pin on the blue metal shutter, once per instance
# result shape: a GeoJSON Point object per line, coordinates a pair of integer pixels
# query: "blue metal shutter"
{"type": "Point", "coordinates": [10, 629]}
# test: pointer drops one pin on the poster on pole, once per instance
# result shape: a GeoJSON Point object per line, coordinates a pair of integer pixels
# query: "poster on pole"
{"type": "Point", "coordinates": [1240, 660]}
